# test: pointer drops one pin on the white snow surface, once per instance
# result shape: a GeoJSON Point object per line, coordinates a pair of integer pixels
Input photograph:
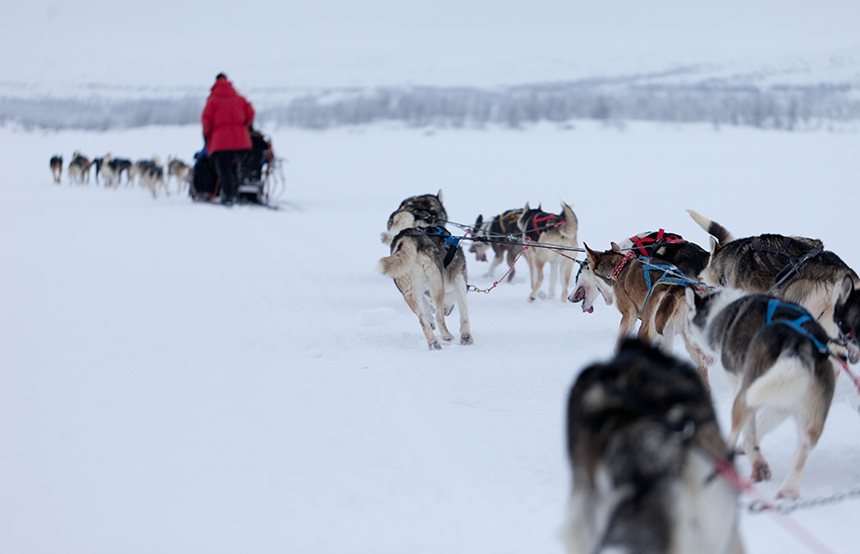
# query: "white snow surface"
{"type": "Point", "coordinates": [181, 378]}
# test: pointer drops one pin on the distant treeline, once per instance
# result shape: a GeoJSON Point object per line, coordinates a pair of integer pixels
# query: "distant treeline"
{"type": "Point", "coordinates": [782, 107]}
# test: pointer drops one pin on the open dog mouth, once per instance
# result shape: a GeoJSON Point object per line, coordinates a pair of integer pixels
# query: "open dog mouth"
{"type": "Point", "coordinates": [578, 295]}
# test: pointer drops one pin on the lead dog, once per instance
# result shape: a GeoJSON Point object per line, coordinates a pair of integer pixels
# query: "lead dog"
{"type": "Point", "coordinates": [57, 167]}
{"type": "Point", "coordinates": [776, 357]}
{"type": "Point", "coordinates": [643, 442]}
{"type": "Point", "coordinates": [796, 269]}
{"type": "Point", "coordinates": [425, 210]}
{"type": "Point", "coordinates": [660, 306]}
{"type": "Point", "coordinates": [427, 261]}
{"type": "Point", "coordinates": [494, 233]}
{"type": "Point", "coordinates": [553, 230]}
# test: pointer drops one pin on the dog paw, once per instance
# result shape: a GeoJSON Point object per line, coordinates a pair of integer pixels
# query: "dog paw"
{"type": "Point", "coordinates": [788, 493]}
{"type": "Point", "coordinates": [465, 339]}
{"type": "Point", "coordinates": [448, 337]}
{"type": "Point", "coordinates": [434, 345]}
{"type": "Point", "coordinates": [760, 472]}
{"type": "Point", "coordinates": [532, 298]}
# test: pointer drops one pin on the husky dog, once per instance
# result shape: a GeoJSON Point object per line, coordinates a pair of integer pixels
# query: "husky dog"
{"type": "Point", "coordinates": [688, 257]}
{"type": "Point", "coordinates": [659, 304]}
{"type": "Point", "coordinates": [796, 269]}
{"type": "Point", "coordinates": [109, 171]}
{"type": "Point", "coordinates": [79, 169]}
{"type": "Point", "coordinates": [549, 229]}
{"type": "Point", "coordinates": [776, 357]}
{"type": "Point", "coordinates": [643, 441]}
{"type": "Point", "coordinates": [57, 167]}
{"type": "Point", "coordinates": [496, 230]}
{"type": "Point", "coordinates": [179, 169]}
{"type": "Point", "coordinates": [427, 261]}
{"type": "Point", "coordinates": [425, 210]}
{"type": "Point", "coordinates": [151, 175]}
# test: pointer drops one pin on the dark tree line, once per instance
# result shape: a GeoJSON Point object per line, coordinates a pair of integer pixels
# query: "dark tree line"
{"type": "Point", "coordinates": [785, 107]}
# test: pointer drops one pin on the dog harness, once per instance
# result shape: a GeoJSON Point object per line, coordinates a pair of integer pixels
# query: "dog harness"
{"type": "Point", "coordinates": [653, 240]}
{"type": "Point", "coordinates": [508, 220]}
{"type": "Point", "coordinates": [540, 222]}
{"type": "Point", "coordinates": [450, 243]}
{"type": "Point", "coordinates": [789, 263]}
{"type": "Point", "coordinates": [797, 323]}
{"type": "Point", "coordinates": [671, 275]}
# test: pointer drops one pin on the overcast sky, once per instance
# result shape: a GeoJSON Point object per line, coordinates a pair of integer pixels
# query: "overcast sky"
{"type": "Point", "coordinates": [342, 42]}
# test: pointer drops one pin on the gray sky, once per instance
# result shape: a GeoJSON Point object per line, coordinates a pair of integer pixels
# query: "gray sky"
{"type": "Point", "coordinates": [340, 42]}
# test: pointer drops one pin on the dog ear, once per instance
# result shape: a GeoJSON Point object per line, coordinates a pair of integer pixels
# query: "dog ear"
{"type": "Point", "coordinates": [615, 247]}
{"type": "Point", "coordinates": [845, 290]}
{"type": "Point", "coordinates": [715, 247]}
{"type": "Point", "coordinates": [478, 222]}
{"type": "Point", "coordinates": [526, 209]}
{"type": "Point", "coordinates": [439, 195]}
{"type": "Point", "coordinates": [591, 255]}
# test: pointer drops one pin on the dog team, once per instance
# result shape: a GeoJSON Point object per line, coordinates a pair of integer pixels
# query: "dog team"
{"type": "Point", "coordinates": [149, 174]}
{"type": "Point", "coordinates": [780, 316]}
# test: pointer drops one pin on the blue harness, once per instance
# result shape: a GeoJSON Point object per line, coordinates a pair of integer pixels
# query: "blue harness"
{"type": "Point", "coordinates": [450, 243]}
{"type": "Point", "coordinates": [668, 271]}
{"type": "Point", "coordinates": [796, 324]}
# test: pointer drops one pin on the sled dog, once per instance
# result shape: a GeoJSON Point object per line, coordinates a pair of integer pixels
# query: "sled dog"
{"type": "Point", "coordinates": [496, 230]}
{"type": "Point", "coordinates": [425, 210]}
{"type": "Point", "coordinates": [57, 167]}
{"type": "Point", "coordinates": [641, 293]}
{"type": "Point", "coordinates": [151, 175]}
{"type": "Point", "coordinates": [796, 269]}
{"type": "Point", "coordinates": [79, 169]}
{"type": "Point", "coordinates": [776, 357]}
{"type": "Point", "coordinates": [180, 170]}
{"type": "Point", "coordinates": [109, 171]}
{"type": "Point", "coordinates": [549, 229]}
{"type": "Point", "coordinates": [643, 443]}
{"type": "Point", "coordinates": [688, 257]}
{"type": "Point", "coordinates": [426, 261]}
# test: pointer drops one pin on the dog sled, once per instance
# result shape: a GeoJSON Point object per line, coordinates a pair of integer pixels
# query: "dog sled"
{"type": "Point", "coordinates": [260, 176]}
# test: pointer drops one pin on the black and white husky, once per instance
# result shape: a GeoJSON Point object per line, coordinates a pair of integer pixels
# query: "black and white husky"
{"type": "Point", "coordinates": [776, 356]}
{"type": "Point", "coordinates": [643, 441]}
{"type": "Point", "coordinates": [428, 262]}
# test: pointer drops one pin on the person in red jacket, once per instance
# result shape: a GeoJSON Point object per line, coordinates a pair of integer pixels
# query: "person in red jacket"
{"type": "Point", "coordinates": [226, 119]}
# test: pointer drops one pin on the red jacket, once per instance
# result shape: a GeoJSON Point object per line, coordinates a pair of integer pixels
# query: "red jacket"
{"type": "Point", "coordinates": [226, 118]}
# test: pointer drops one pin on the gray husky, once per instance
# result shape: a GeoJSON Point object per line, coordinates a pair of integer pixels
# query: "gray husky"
{"type": "Point", "coordinates": [643, 441]}
{"type": "Point", "coordinates": [424, 210]}
{"type": "Point", "coordinates": [777, 358]}
{"type": "Point", "coordinates": [796, 269]}
{"type": "Point", "coordinates": [428, 261]}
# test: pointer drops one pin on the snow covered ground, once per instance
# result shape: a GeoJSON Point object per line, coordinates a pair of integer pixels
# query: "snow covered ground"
{"type": "Point", "coordinates": [189, 378]}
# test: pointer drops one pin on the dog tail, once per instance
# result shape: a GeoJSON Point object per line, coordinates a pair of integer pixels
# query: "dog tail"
{"type": "Point", "coordinates": [783, 386]}
{"type": "Point", "coordinates": [399, 262]}
{"type": "Point", "coordinates": [667, 307]}
{"type": "Point", "coordinates": [712, 227]}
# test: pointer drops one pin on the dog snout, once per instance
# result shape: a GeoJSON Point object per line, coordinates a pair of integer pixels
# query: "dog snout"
{"type": "Point", "coordinates": [577, 295]}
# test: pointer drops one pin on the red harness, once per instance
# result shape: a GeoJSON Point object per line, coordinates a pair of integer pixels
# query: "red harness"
{"type": "Point", "coordinates": [653, 240]}
{"type": "Point", "coordinates": [540, 223]}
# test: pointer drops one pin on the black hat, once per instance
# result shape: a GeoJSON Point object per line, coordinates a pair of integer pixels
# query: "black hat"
{"type": "Point", "coordinates": [220, 76]}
